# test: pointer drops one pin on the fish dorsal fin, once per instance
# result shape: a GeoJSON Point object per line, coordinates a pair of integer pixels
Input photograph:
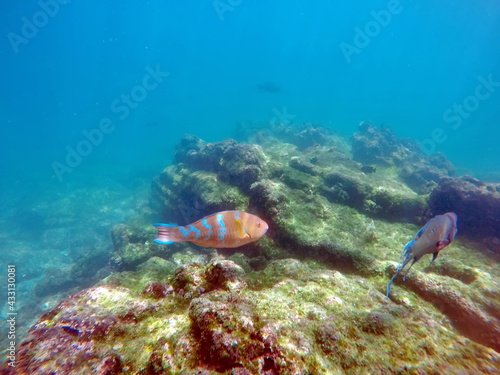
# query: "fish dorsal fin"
{"type": "Point", "coordinates": [240, 229]}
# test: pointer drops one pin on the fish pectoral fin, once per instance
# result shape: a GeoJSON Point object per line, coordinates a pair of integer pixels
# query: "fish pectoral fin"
{"type": "Point", "coordinates": [442, 244]}
{"type": "Point", "coordinates": [240, 228]}
{"type": "Point", "coordinates": [434, 256]}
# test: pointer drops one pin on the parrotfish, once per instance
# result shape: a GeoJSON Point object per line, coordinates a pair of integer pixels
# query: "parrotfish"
{"type": "Point", "coordinates": [224, 229]}
{"type": "Point", "coordinates": [431, 239]}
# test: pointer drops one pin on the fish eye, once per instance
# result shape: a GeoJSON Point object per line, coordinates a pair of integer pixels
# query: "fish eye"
{"type": "Point", "coordinates": [259, 224]}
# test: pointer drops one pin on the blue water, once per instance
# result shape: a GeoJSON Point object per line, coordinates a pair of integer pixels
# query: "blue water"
{"type": "Point", "coordinates": [65, 78]}
{"type": "Point", "coordinates": [426, 69]}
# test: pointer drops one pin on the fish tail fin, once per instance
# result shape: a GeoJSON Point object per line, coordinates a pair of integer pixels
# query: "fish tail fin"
{"type": "Point", "coordinates": [398, 271]}
{"type": "Point", "coordinates": [409, 256]}
{"type": "Point", "coordinates": [390, 282]}
{"type": "Point", "coordinates": [409, 268]}
{"type": "Point", "coordinates": [405, 259]}
{"type": "Point", "coordinates": [166, 235]}
{"type": "Point", "coordinates": [406, 255]}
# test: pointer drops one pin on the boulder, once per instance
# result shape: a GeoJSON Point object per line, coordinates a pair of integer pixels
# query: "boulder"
{"type": "Point", "coordinates": [476, 203]}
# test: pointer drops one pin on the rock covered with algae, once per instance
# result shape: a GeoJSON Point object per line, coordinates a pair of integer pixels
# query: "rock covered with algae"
{"type": "Point", "coordinates": [477, 204]}
{"type": "Point", "coordinates": [309, 298]}
{"type": "Point", "coordinates": [378, 145]}
{"type": "Point", "coordinates": [292, 317]}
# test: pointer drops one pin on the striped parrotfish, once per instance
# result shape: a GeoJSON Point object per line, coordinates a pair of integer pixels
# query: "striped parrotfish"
{"type": "Point", "coordinates": [221, 230]}
{"type": "Point", "coordinates": [431, 239]}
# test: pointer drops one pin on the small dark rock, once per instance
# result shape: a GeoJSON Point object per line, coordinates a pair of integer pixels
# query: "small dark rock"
{"type": "Point", "coordinates": [155, 365]}
{"type": "Point", "coordinates": [240, 371]}
{"type": "Point", "coordinates": [368, 169]}
{"type": "Point", "coordinates": [225, 332]}
{"type": "Point", "coordinates": [303, 166]}
{"type": "Point", "coordinates": [110, 365]}
{"type": "Point", "coordinates": [225, 274]}
{"type": "Point", "coordinates": [344, 189]}
{"type": "Point", "coordinates": [188, 279]}
{"type": "Point", "coordinates": [157, 289]}
{"type": "Point", "coordinates": [328, 336]}
{"type": "Point", "coordinates": [376, 322]}
{"type": "Point", "coordinates": [87, 326]}
{"type": "Point", "coordinates": [263, 194]}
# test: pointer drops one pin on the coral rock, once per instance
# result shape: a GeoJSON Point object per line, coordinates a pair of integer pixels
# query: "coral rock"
{"type": "Point", "coordinates": [224, 332]}
{"type": "Point", "coordinates": [225, 274]}
{"type": "Point", "coordinates": [373, 145]}
{"type": "Point", "coordinates": [476, 203]}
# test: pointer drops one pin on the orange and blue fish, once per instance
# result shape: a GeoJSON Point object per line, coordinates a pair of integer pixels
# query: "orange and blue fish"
{"type": "Point", "coordinates": [224, 229]}
{"type": "Point", "coordinates": [431, 239]}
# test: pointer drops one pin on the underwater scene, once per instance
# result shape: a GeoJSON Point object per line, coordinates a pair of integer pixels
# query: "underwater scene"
{"type": "Point", "coordinates": [240, 187]}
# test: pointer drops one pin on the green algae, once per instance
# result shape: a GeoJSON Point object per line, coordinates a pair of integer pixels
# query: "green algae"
{"type": "Point", "coordinates": [176, 185]}
{"type": "Point", "coordinates": [315, 319]}
{"type": "Point", "coordinates": [309, 297]}
{"type": "Point", "coordinates": [154, 269]}
{"type": "Point", "coordinates": [329, 322]}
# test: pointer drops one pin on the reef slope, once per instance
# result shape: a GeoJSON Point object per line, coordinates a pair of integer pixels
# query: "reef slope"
{"type": "Point", "coordinates": [309, 298]}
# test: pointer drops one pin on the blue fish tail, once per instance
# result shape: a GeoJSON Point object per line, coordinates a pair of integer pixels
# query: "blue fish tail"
{"type": "Point", "coordinates": [390, 282]}
{"type": "Point", "coordinates": [409, 256]}
{"type": "Point", "coordinates": [405, 259]}
{"type": "Point", "coordinates": [165, 233]}
{"type": "Point", "coordinates": [406, 256]}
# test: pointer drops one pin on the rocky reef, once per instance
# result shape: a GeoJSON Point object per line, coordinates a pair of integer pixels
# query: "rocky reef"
{"type": "Point", "coordinates": [309, 298]}
{"type": "Point", "coordinates": [379, 146]}
{"type": "Point", "coordinates": [477, 204]}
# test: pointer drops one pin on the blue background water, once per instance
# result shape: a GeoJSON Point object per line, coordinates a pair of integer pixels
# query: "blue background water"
{"type": "Point", "coordinates": [64, 79]}
{"type": "Point", "coordinates": [66, 74]}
